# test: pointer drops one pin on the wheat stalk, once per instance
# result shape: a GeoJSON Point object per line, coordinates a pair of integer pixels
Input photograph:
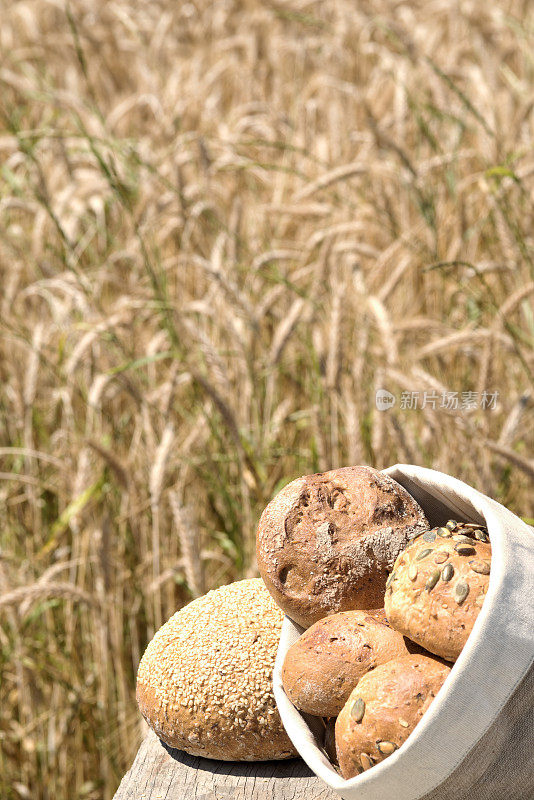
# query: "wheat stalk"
{"type": "Point", "coordinates": [524, 464]}
{"type": "Point", "coordinates": [189, 545]}
{"type": "Point", "coordinates": [43, 591]}
{"type": "Point", "coordinates": [155, 486]}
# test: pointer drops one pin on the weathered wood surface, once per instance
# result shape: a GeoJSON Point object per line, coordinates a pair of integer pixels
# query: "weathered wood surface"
{"type": "Point", "coordinates": [161, 773]}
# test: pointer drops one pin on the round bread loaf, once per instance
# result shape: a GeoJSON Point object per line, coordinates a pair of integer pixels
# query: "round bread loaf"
{"type": "Point", "coordinates": [383, 710]}
{"type": "Point", "coordinates": [326, 542]}
{"type": "Point", "coordinates": [324, 665]}
{"type": "Point", "coordinates": [438, 585]}
{"type": "Point", "coordinates": [204, 684]}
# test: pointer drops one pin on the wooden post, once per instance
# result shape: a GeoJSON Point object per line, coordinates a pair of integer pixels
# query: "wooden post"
{"type": "Point", "coordinates": [161, 773]}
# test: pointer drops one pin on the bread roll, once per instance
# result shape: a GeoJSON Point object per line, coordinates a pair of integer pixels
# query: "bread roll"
{"type": "Point", "coordinates": [438, 585]}
{"type": "Point", "coordinates": [383, 710]}
{"type": "Point", "coordinates": [322, 668]}
{"type": "Point", "coordinates": [326, 542]}
{"type": "Point", "coordinates": [204, 684]}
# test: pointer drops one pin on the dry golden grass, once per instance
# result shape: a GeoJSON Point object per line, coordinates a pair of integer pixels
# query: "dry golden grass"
{"type": "Point", "coordinates": [222, 227]}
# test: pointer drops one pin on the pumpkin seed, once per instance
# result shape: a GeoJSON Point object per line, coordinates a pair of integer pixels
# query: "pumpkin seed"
{"type": "Point", "coordinates": [464, 549]}
{"type": "Point", "coordinates": [386, 748]}
{"type": "Point", "coordinates": [403, 723]}
{"type": "Point", "coordinates": [444, 533]}
{"type": "Point", "coordinates": [481, 536]}
{"type": "Point", "coordinates": [433, 579]}
{"type": "Point", "coordinates": [447, 572]}
{"type": "Point", "coordinates": [415, 534]}
{"type": "Point", "coordinates": [461, 590]}
{"type": "Point", "coordinates": [412, 572]}
{"type": "Point", "coordinates": [423, 554]}
{"type": "Point", "coordinates": [429, 536]}
{"type": "Point", "coordinates": [441, 556]}
{"type": "Point", "coordinates": [366, 761]}
{"type": "Point", "coordinates": [451, 525]}
{"type": "Point", "coordinates": [481, 567]}
{"type": "Point", "coordinates": [460, 537]}
{"type": "Point", "coordinates": [358, 710]}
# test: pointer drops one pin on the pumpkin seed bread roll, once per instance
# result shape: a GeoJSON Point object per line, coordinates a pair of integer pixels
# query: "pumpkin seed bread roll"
{"type": "Point", "coordinates": [326, 542]}
{"type": "Point", "coordinates": [384, 709]}
{"type": "Point", "coordinates": [204, 684]}
{"type": "Point", "coordinates": [324, 665]}
{"type": "Point", "coordinates": [438, 585]}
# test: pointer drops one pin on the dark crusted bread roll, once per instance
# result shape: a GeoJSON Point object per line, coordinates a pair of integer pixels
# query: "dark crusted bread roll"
{"type": "Point", "coordinates": [326, 542]}
{"type": "Point", "coordinates": [383, 710]}
{"type": "Point", "coordinates": [204, 684]}
{"type": "Point", "coordinates": [438, 585]}
{"type": "Point", "coordinates": [322, 668]}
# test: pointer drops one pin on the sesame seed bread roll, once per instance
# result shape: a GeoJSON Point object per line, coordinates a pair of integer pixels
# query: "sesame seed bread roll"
{"type": "Point", "coordinates": [326, 542]}
{"type": "Point", "coordinates": [438, 585]}
{"type": "Point", "coordinates": [324, 665]}
{"type": "Point", "coordinates": [384, 709]}
{"type": "Point", "coordinates": [204, 684]}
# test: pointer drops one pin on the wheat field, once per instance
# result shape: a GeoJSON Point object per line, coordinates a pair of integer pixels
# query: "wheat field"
{"type": "Point", "coordinates": [223, 227]}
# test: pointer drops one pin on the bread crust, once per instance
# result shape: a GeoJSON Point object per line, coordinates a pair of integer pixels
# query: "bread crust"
{"type": "Point", "coordinates": [204, 684]}
{"type": "Point", "coordinates": [209, 737]}
{"type": "Point", "coordinates": [326, 542]}
{"type": "Point", "coordinates": [324, 665]}
{"type": "Point", "coordinates": [428, 609]}
{"type": "Point", "coordinates": [384, 709]}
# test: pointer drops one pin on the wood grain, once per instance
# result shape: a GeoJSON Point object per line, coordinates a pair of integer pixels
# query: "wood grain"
{"type": "Point", "coordinates": [162, 773]}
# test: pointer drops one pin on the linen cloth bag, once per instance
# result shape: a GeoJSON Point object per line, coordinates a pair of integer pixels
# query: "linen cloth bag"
{"type": "Point", "coordinates": [476, 741]}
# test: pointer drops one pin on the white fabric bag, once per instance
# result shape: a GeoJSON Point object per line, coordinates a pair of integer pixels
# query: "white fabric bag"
{"type": "Point", "coordinates": [476, 742]}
